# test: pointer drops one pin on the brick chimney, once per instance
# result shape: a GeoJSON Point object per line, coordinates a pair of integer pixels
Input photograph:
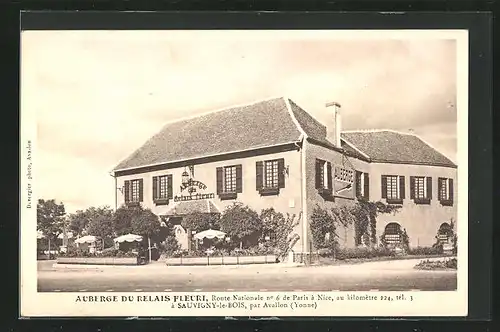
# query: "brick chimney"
{"type": "Point", "coordinates": [334, 126]}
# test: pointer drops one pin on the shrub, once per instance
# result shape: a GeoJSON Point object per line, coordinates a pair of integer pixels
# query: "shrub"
{"type": "Point", "coordinates": [424, 251]}
{"type": "Point", "coordinates": [437, 265]}
{"type": "Point", "coordinates": [363, 252]}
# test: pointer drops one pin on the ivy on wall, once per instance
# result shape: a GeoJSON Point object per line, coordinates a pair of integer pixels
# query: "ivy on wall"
{"type": "Point", "coordinates": [362, 214]}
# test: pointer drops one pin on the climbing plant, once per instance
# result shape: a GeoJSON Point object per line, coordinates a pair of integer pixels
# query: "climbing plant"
{"type": "Point", "coordinates": [362, 214]}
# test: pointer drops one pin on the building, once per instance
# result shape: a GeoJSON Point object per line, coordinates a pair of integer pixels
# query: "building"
{"type": "Point", "coordinates": [272, 153]}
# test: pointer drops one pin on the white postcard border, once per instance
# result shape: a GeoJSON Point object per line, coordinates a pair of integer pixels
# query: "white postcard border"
{"type": "Point", "coordinates": [454, 303]}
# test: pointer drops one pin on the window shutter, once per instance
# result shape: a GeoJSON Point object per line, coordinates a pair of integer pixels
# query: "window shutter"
{"type": "Point", "coordinates": [366, 193]}
{"type": "Point", "coordinates": [451, 189]}
{"type": "Point", "coordinates": [429, 187]}
{"type": "Point", "coordinates": [127, 191]}
{"type": "Point", "coordinates": [141, 187]}
{"type": "Point", "coordinates": [358, 184]}
{"type": "Point", "coordinates": [281, 173]}
{"type": "Point", "coordinates": [318, 174]}
{"type": "Point", "coordinates": [155, 187]}
{"type": "Point", "coordinates": [170, 186]}
{"type": "Point", "coordinates": [384, 186]}
{"type": "Point", "coordinates": [412, 187]}
{"type": "Point", "coordinates": [259, 176]}
{"type": "Point", "coordinates": [329, 175]}
{"type": "Point", "coordinates": [239, 179]}
{"type": "Point", "coordinates": [439, 187]}
{"type": "Point", "coordinates": [402, 187]}
{"type": "Point", "coordinates": [219, 175]}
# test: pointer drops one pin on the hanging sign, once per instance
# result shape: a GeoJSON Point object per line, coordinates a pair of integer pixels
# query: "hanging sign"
{"type": "Point", "coordinates": [190, 187]}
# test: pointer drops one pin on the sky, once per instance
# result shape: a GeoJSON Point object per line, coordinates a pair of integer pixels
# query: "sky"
{"type": "Point", "coordinates": [99, 95]}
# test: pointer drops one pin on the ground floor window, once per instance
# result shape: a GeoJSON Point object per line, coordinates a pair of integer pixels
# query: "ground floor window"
{"type": "Point", "coordinates": [445, 233]}
{"type": "Point", "coordinates": [392, 234]}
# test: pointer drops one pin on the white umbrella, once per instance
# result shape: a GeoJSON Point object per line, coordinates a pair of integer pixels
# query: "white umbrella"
{"type": "Point", "coordinates": [210, 234]}
{"type": "Point", "coordinates": [86, 239]}
{"type": "Point", "coordinates": [69, 235]}
{"type": "Point", "coordinates": [128, 238]}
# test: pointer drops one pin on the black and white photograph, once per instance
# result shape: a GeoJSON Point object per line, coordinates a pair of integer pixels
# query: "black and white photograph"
{"type": "Point", "coordinates": [231, 172]}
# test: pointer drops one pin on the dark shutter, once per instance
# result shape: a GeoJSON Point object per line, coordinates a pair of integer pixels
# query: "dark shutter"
{"type": "Point", "coordinates": [439, 187]}
{"type": "Point", "coordinates": [429, 187]}
{"type": "Point", "coordinates": [127, 191]}
{"type": "Point", "coordinates": [451, 189]}
{"type": "Point", "coordinates": [384, 186]}
{"type": "Point", "coordinates": [141, 187]}
{"type": "Point", "coordinates": [412, 187]}
{"type": "Point", "coordinates": [281, 173]}
{"type": "Point", "coordinates": [219, 174]}
{"type": "Point", "coordinates": [366, 193]}
{"type": "Point", "coordinates": [239, 179]}
{"type": "Point", "coordinates": [170, 186]}
{"type": "Point", "coordinates": [318, 174]}
{"type": "Point", "coordinates": [259, 176]}
{"type": "Point", "coordinates": [358, 184]}
{"type": "Point", "coordinates": [155, 187]}
{"type": "Point", "coordinates": [329, 175]}
{"type": "Point", "coordinates": [402, 187]}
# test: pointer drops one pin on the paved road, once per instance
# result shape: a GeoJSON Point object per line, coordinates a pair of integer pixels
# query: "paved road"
{"type": "Point", "coordinates": [276, 279]}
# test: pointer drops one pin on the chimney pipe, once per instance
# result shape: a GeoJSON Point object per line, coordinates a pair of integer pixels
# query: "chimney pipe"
{"type": "Point", "coordinates": [333, 130]}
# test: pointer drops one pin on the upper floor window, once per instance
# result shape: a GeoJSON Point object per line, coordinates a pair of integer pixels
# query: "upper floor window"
{"type": "Point", "coordinates": [162, 189]}
{"type": "Point", "coordinates": [362, 185]}
{"type": "Point", "coordinates": [270, 176]}
{"type": "Point", "coordinates": [421, 189]}
{"type": "Point", "coordinates": [133, 191]}
{"type": "Point", "coordinates": [393, 188]}
{"type": "Point", "coordinates": [324, 177]}
{"type": "Point", "coordinates": [445, 191]}
{"type": "Point", "coordinates": [229, 181]}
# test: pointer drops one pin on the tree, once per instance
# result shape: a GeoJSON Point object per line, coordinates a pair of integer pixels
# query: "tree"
{"type": "Point", "coordinates": [137, 220]}
{"type": "Point", "coordinates": [198, 221]}
{"type": "Point", "coordinates": [323, 223]}
{"type": "Point", "coordinates": [100, 224]}
{"type": "Point", "coordinates": [50, 219]}
{"type": "Point", "coordinates": [241, 223]}
{"type": "Point", "coordinates": [122, 220]}
{"type": "Point", "coordinates": [78, 222]}
{"type": "Point", "coordinates": [278, 228]}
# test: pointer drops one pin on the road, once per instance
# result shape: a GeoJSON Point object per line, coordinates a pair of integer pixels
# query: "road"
{"type": "Point", "coordinates": [275, 279]}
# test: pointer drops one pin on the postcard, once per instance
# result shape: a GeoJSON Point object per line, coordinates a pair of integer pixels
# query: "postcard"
{"type": "Point", "coordinates": [244, 173]}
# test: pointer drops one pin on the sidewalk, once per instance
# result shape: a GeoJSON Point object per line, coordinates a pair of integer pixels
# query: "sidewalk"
{"type": "Point", "coordinates": [391, 266]}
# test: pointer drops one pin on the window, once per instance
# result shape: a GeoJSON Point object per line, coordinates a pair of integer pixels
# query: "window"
{"type": "Point", "coordinates": [362, 185]}
{"type": "Point", "coordinates": [162, 189]}
{"type": "Point", "coordinates": [445, 191]}
{"type": "Point", "coordinates": [270, 176]}
{"type": "Point", "coordinates": [393, 188]}
{"type": "Point", "coordinates": [392, 234]}
{"type": "Point", "coordinates": [133, 191]}
{"type": "Point", "coordinates": [324, 177]}
{"type": "Point", "coordinates": [421, 189]}
{"type": "Point", "coordinates": [229, 181]}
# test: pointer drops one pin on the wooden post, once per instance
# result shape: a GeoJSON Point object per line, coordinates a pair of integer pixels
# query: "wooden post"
{"type": "Point", "coordinates": [149, 248]}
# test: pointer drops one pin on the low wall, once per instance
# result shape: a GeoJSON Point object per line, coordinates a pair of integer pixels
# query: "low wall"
{"type": "Point", "coordinates": [99, 260]}
{"type": "Point", "coordinates": [221, 260]}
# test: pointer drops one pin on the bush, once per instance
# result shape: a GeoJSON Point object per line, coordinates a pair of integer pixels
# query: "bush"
{"type": "Point", "coordinates": [437, 265]}
{"type": "Point", "coordinates": [109, 252]}
{"type": "Point", "coordinates": [425, 251]}
{"type": "Point", "coordinates": [362, 252]}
